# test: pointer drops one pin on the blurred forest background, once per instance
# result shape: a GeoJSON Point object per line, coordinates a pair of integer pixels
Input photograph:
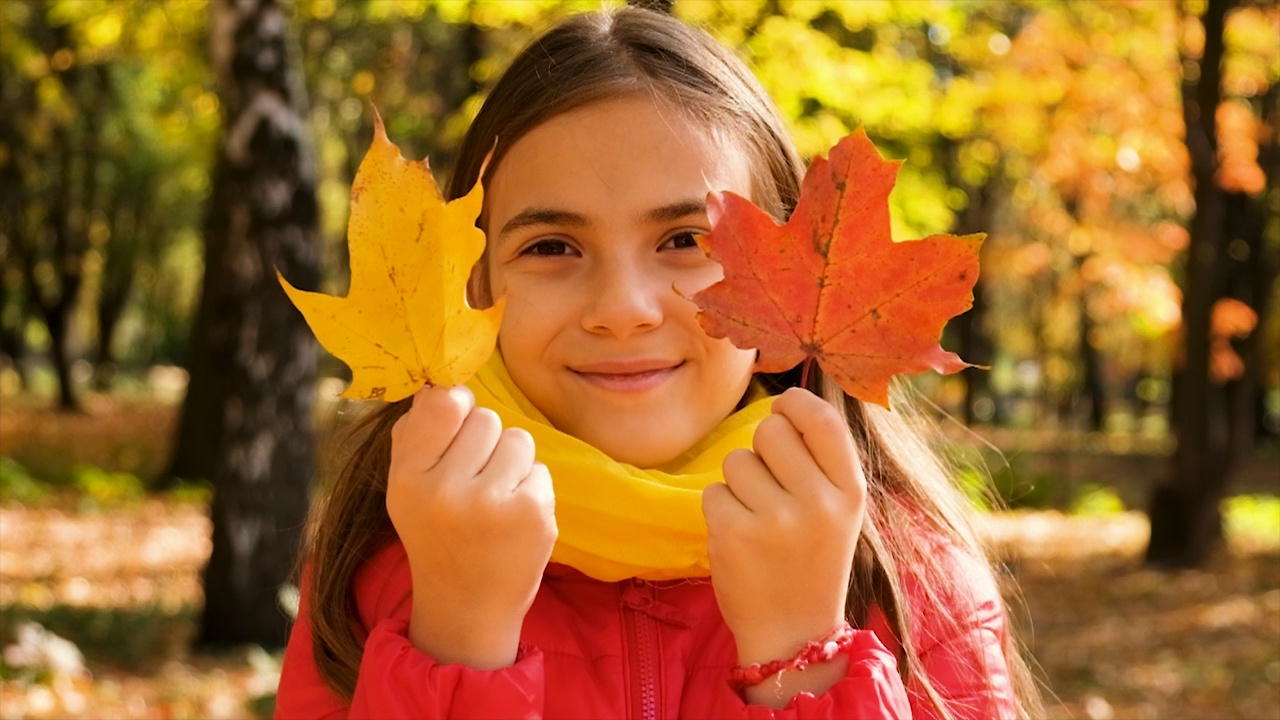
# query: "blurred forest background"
{"type": "Point", "coordinates": [157, 158]}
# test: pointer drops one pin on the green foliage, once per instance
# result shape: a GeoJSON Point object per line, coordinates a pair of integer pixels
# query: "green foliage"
{"type": "Point", "coordinates": [39, 657]}
{"type": "Point", "coordinates": [192, 492]}
{"type": "Point", "coordinates": [1093, 499]}
{"type": "Point", "coordinates": [103, 489]}
{"type": "Point", "coordinates": [263, 706]}
{"type": "Point", "coordinates": [128, 637]}
{"type": "Point", "coordinates": [17, 485]}
{"type": "Point", "coordinates": [1007, 487]}
{"type": "Point", "coordinates": [1016, 489]}
{"type": "Point", "coordinates": [977, 488]}
{"type": "Point", "coordinates": [266, 665]}
{"type": "Point", "coordinates": [1253, 517]}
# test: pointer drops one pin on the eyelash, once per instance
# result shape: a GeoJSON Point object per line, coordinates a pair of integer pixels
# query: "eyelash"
{"type": "Point", "coordinates": [533, 249]}
{"type": "Point", "coordinates": [693, 242]}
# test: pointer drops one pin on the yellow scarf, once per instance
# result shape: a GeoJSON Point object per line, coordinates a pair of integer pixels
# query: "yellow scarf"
{"type": "Point", "coordinates": [615, 520]}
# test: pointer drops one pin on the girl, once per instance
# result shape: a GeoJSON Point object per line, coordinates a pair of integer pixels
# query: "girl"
{"type": "Point", "coordinates": [832, 574]}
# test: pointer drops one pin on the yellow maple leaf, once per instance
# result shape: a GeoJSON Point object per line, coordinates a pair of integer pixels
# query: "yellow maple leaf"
{"type": "Point", "coordinates": [405, 322]}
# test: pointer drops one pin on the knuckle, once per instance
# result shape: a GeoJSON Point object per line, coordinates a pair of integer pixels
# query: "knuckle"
{"type": "Point", "coordinates": [515, 438]}
{"type": "Point", "coordinates": [486, 419]}
{"type": "Point", "coordinates": [769, 430]}
{"type": "Point", "coordinates": [785, 519]}
{"type": "Point", "coordinates": [793, 398]}
{"type": "Point", "coordinates": [829, 421]}
{"type": "Point", "coordinates": [541, 477]}
{"type": "Point", "coordinates": [736, 461]}
{"type": "Point", "coordinates": [711, 497]}
{"type": "Point", "coordinates": [519, 433]}
{"type": "Point", "coordinates": [446, 406]}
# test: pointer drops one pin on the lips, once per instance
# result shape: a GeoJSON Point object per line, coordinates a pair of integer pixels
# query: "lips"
{"type": "Point", "coordinates": [629, 375]}
{"type": "Point", "coordinates": [626, 367]}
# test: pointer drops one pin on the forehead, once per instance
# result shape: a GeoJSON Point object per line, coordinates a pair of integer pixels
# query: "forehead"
{"type": "Point", "coordinates": [626, 154]}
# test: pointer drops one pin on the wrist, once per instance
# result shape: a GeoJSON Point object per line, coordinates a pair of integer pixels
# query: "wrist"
{"type": "Point", "coordinates": [818, 665]}
{"type": "Point", "coordinates": [765, 643]}
{"type": "Point", "coordinates": [455, 630]}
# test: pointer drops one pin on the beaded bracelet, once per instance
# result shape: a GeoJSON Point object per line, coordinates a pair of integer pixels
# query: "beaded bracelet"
{"type": "Point", "coordinates": [815, 651]}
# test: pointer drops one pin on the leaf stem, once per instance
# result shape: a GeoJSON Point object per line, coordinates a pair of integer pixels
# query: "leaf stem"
{"type": "Point", "coordinates": [804, 373]}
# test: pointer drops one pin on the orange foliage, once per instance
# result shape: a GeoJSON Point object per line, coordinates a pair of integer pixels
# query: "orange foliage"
{"type": "Point", "coordinates": [1231, 319]}
{"type": "Point", "coordinates": [831, 285]}
{"type": "Point", "coordinates": [1239, 131]}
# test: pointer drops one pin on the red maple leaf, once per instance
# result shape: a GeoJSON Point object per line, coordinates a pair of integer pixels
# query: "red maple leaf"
{"type": "Point", "coordinates": [831, 285]}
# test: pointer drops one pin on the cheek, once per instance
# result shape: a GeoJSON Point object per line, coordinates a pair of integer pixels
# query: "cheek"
{"type": "Point", "coordinates": [535, 315]}
{"type": "Point", "coordinates": [729, 360]}
{"type": "Point", "coordinates": [699, 279]}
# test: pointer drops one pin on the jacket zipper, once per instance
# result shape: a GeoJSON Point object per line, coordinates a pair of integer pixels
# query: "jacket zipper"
{"type": "Point", "coordinates": [644, 655]}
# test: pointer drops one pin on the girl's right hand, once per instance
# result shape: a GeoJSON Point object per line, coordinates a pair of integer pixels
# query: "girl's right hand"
{"type": "Point", "coordinates": [475, 513]}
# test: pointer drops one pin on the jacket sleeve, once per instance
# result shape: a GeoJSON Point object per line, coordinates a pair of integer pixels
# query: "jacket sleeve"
{"type": "Point", "coordinates": [396, 680]}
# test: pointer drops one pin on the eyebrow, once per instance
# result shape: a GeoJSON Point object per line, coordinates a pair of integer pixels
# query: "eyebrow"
{"type": "Point", "coordinates": [552, 216]}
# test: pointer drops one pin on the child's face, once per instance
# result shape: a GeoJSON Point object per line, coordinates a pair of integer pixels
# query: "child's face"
{"type": "Point", "coordinates": [591, 217]}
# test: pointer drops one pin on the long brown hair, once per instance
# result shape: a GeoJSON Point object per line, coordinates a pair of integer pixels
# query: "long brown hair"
{"type": "Point", "coordinates": [621, 51]}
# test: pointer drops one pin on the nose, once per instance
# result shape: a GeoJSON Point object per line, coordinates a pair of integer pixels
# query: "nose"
{"type": "Point", "coordinates": [625, 299]}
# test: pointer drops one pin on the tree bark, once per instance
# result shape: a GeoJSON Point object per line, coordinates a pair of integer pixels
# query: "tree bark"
{"type": "Point", "coordinates": [13, 290]}
{"type": "Point", "coordinates": [975, 346]}
{"type": "Point", "coordinates": [247, 420]}
{"type": "Point", "coordinates": [1092, 384]}
{"type": "Point", "coordinates": [1186, 525]}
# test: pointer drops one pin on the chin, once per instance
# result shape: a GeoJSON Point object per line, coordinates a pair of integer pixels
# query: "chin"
{"type": "Point", "coordinates": [637, 449]}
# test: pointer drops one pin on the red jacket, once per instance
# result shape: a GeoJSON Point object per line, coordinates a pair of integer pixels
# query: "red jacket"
{"type": "Point", "coordinates": [635, 649]}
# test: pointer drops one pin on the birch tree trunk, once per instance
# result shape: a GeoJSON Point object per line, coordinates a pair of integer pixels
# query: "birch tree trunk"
{"type": "Point", "coordinates": [247, 420]}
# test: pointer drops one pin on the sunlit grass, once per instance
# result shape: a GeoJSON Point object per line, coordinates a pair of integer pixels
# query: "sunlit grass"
{"type": "Point", "coordinates": [1253, 520]}
{"type": "Point", "coordinates": [1096, 500]}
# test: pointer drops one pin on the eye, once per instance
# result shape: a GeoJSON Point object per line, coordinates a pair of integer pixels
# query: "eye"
{"type": "Point", "coordinates": [548, 248]}
{"type": "Point", "coordinates": [682, 241]}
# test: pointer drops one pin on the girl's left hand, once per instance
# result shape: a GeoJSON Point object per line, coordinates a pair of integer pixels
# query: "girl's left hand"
{"type": "Point", "coordinates": [783, 527]}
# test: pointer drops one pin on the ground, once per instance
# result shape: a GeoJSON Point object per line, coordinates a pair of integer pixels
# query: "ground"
{"type": "Point", "coordinates": [1111, 639]}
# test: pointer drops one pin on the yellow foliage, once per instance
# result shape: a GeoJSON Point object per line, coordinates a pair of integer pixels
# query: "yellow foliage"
{"type": "Point", "coordinates": [405, 321]}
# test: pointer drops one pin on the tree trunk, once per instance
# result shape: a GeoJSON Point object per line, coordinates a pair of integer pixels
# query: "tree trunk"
{"type": "Point", "coordinates": [1267, 265]}
{"type": "Point", "coordinates": [247, 421]}
{"type": "Point", "coordinates": [119, 268]}
{"type": "Point", "coordinates": [1186, 525]}
{"type": "Point", "coordinates": [1093, 385]}
{"type": "Point", "coordinates": [12, 209]}
{"type": "Point", "coordinates": [975, 346]}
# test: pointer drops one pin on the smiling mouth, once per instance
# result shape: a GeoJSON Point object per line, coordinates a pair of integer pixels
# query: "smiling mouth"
{"type": "Point", "coordinates": [625, 378]}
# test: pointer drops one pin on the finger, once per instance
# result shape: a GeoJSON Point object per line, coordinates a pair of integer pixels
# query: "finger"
{"type": "Point", "coordinates": [751, 482]}
{"type": "Point", "coordinates": [784, 453]}
{"type": "Point", "coordinates": [538, 486]}
{"type": "Point", "coordinates": [721, 508]}
{"type": "Point", "coordinates": [423, 434]}
{"type": "Point", "coordinates": [511, 461]}
{"type": "Point", "coordinates": [473, 446]}
{"type": "Point", "coordinates": [826, 435]}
